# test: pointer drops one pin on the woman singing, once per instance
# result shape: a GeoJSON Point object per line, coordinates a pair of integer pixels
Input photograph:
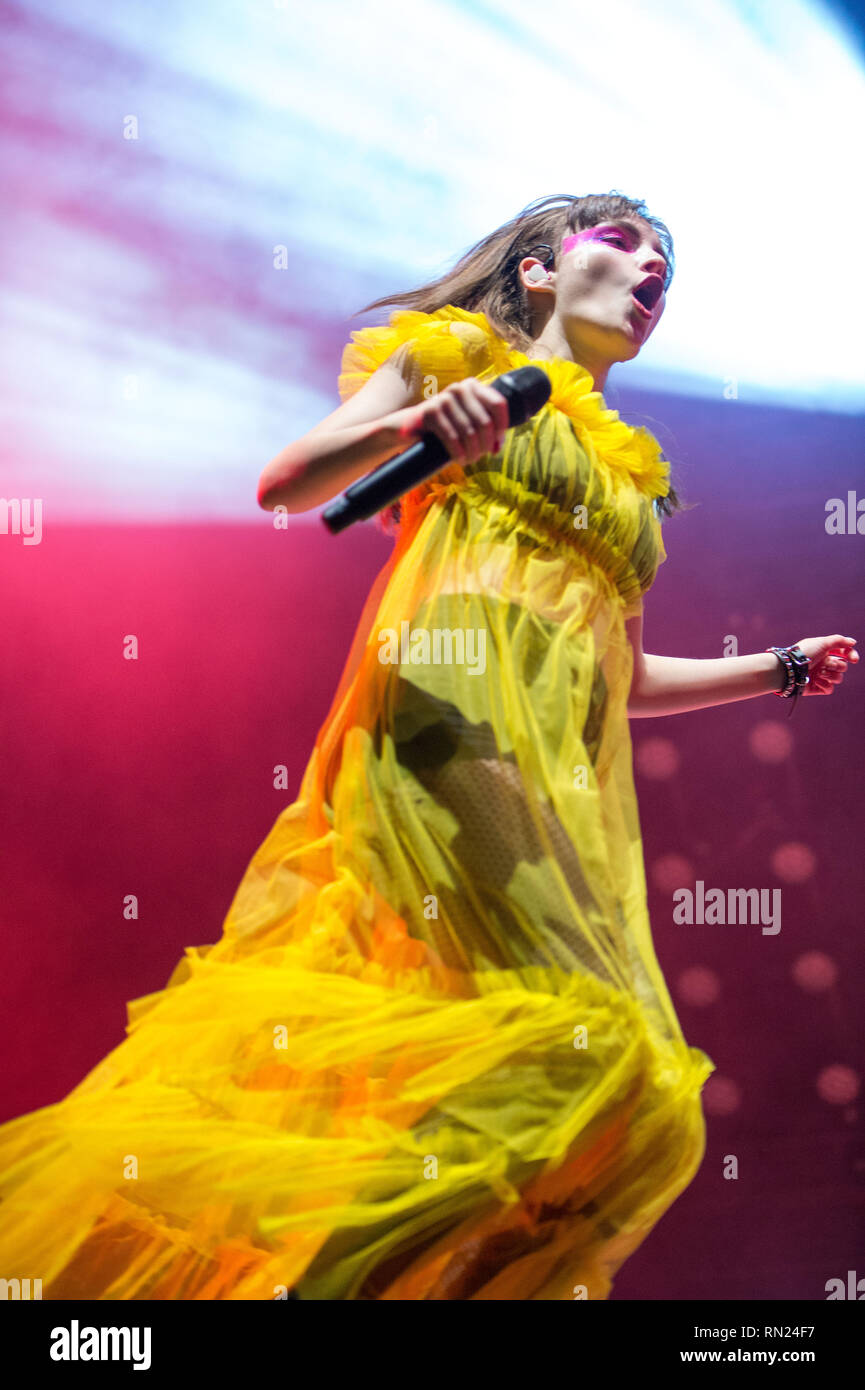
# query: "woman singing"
{"type": "Point", "coordinates": [432, 1055]}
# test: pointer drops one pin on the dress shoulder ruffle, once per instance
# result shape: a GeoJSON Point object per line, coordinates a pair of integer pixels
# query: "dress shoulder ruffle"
{"type": "Point", "coordinates": [433, 350]}
{"type": "Point", "coordinates": [449, 345]}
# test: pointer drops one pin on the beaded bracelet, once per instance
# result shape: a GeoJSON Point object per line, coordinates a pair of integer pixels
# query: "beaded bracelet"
{"type": "Point", "coordinates": [796, 666]}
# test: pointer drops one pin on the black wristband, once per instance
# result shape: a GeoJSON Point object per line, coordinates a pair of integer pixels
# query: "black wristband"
{"type": "Point", "coordinates": [797, 666]}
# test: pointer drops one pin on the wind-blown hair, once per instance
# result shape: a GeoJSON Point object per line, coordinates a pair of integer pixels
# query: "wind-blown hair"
{"type": "Point", "coordinates": [485, 279]}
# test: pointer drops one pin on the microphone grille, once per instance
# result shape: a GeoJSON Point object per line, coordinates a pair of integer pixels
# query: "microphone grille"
{"type": "Point", "coordinates": [526, 390]}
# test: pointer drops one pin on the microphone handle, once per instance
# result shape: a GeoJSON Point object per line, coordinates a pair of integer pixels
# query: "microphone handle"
{"type": "Point", "coordinates": [386, 483]}
{"type": "Point", "coordinates": [525, 389]}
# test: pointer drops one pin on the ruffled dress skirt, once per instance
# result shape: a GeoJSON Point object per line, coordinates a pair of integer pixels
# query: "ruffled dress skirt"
{"type": "Point", "coordinates": [432, 1054]}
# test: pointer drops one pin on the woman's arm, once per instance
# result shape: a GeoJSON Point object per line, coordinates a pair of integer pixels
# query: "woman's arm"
{"type": "Point", "coordinates": [382, 419]}
{"type": "Point", "coordinates": [674, 684]}
{"type": "Point", "coordinates": [355, 438]}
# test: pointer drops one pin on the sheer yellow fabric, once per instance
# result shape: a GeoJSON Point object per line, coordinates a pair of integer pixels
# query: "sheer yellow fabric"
{"type": "Point", "coordinates": [432, 1055]}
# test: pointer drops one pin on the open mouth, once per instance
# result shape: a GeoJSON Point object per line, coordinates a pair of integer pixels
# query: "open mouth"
{"type": "Point", "coordinates": [647, 293]}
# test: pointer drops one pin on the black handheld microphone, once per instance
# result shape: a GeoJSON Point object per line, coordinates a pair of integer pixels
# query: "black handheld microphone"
{"type": "Point", "coordinates": [525, 389]}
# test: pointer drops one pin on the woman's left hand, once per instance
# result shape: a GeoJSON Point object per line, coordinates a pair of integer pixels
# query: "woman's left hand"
{"type": "Point", "coordinates": [828, 658]}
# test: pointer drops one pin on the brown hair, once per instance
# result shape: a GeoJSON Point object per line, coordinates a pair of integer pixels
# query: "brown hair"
{"type": "Point", "coordinates": [485, 280]}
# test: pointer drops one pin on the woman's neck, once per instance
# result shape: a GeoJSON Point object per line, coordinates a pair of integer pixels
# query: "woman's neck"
{"type": "Point", "coordinates": [552, 341]}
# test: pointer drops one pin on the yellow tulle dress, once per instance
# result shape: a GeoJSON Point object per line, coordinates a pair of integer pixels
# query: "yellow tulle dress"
{"type": "Point", "coordinates": [432, 1055]}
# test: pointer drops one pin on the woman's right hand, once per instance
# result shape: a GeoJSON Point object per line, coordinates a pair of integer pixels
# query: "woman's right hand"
{"type": "Point", "coordinates": [469, 417]}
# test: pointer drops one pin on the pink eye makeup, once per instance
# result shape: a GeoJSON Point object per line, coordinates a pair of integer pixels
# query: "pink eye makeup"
{"type": "Point", "coordinates": [595, 234]}
{"type": "Point", "coordinates": [621, 236]}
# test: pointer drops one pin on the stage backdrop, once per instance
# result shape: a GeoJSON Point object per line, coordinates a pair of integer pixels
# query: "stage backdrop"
{"type": "Point", "coordinates": [198, 195]}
